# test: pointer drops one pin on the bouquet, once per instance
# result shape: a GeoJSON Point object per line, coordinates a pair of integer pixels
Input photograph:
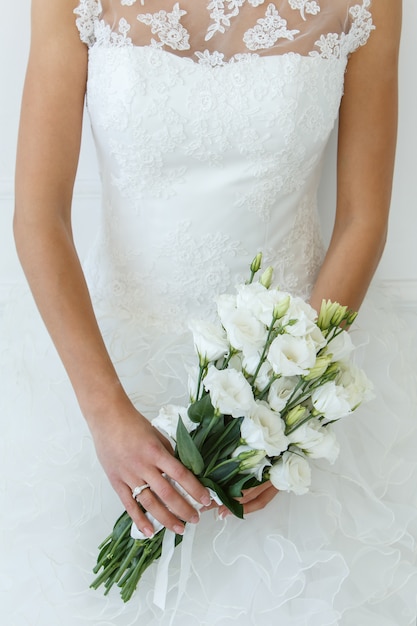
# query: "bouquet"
{"type": "Point", "coordinates": [272, 378]}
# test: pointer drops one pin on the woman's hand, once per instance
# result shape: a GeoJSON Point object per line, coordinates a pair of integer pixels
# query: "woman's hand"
{"type": "Point", "coordinates": [134, 453]}
{"type": "Point", "coordinates": [253, 499]}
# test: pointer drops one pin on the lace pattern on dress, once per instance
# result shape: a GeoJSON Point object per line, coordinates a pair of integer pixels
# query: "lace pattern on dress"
{"type": "Point", "coordinates": [227, 30]}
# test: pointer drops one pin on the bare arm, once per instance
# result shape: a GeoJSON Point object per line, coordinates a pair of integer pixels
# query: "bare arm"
{"type": "Point", "coordinates": [366, 150]}
{"type": "Point", "coordinates": [131, 451]}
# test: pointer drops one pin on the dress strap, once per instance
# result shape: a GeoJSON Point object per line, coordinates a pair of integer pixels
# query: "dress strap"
{"type": "Point", "coordinates": [88, 12]}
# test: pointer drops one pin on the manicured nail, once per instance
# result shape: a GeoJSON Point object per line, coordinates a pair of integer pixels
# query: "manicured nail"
{"type": "Point", "coordinates": [179, 530]}
{"type": "Point", "coordinates": [149, 532]}
{"type": "Point", "coordinates": [206, 500]}
{"type": "Point", "coordinates": [195, 518]}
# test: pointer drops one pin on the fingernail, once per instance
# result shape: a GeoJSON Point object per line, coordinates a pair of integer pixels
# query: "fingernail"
{"type": "Point", "coordinates": [149, 532]}
{"type": "Point", "coordinates": [179, 530]}
{"type": "Point", "coordinates": [195, 518]}
{"type": "Point", "coordinates": [206, 500]}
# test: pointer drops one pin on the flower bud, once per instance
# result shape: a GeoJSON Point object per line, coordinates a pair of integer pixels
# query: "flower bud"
{"type": "Point", "coordinates": [266, 278]}
{"type": "Point", "coordinates": [339, 315]}
{"type": "Point", "coordinates": [256, 263]}
{"type": "Point", "coordinates": [319, 367]}
{"type": "Point", "coordinates": [350, 318]}
{"type": "Point", "coordinates": [282, 307]}
{"type": "Point", "coordinates": [327, 310]}
{"type": "Point", "coordinates": [332, 314]}
{"type": "Point", "coordinates": [296, 414]}
{"type": "Point", "coordinates": [250, 459]}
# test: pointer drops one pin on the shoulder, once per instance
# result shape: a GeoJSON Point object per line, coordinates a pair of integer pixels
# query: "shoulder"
{"type": "Point", "coordinates": [54, 21]}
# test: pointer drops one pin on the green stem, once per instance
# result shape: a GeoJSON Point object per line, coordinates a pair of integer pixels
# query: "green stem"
{"type": "Point", "coordinates": [224, 434]}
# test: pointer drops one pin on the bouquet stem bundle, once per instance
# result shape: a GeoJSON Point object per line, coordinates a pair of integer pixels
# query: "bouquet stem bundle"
{"type": "Point", "coordinates": [272, 378]}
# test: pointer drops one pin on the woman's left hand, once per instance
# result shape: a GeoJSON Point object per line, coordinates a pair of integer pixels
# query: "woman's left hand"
{"type": "Point", "coordinates": [253, 499]}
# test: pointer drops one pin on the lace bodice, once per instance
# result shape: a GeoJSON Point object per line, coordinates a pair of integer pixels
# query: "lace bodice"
{"type": "Point", "coordinates": [217, 31]}
{"type": "Point", "coordinates": [210, 121]}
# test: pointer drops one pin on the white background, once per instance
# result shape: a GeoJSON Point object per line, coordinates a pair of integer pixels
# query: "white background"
{"type": "Point", "coordinates": [398, 269]}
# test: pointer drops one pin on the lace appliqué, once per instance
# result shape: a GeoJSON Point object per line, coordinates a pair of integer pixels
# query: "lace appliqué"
{"type": "Point", "coordinates": [335, 45]}
{"type": "Point", "coordinates": [88, 12]}
{"type": "Point", "coordinates": [168, 28]}
{"type": "Point", "coordinates": [270, 34]}
{"type": "Point", "coordinates": [220, 19]}
{"type": "Point", "coordinates": [305, 6]}
{"type": "Point", "coordinates": [268, 30]}
{"type": "Point", "coordinates": [299, 258]}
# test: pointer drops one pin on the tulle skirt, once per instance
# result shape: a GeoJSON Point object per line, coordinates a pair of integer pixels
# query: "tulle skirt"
{"type": "Point", "coordinates": [345, 553]}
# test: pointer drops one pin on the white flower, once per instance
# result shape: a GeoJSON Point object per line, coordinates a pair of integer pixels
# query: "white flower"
{"type": "Point", "coordinates": [210, 340]}
{"type": "Point", "coordinates": [315, 440]}
{"type": "Point", "coordinates": [280, 391]}
{"type": "Point", "coordinates": [291, 473]}
{"type": "Point", "coordinates": [251, 461]}
{"type": "Point", "coordinates": [264, 430]}
{"type": "Point", "coordinates": [290, 355]}
{"type": "Point", "coordinates": [230, 392]}
{"type": "Point", "coordinates": [167, 420]}
{"type": "Point", "coordinates": [356, 384]}
{"type": "Point", "coordinates": [331, 400]}
{"type": "Point", "coordinates": [302, 317]}
{"type": "Point", "coordinates": [226, 305]}
{"type": "Point", "coordinates": [263, 378]}
{"type": "Point", "coordinates": [193, 372]}
{"type": "Point", "coordinates": [260, 301]}
{"type": "Point", "coordinates": [244, 331]}
{"type": "Point", "coordinates": [340, 347]}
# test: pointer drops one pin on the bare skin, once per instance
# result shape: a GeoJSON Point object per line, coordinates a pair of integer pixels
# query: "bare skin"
{"type": "Point", "coordinates": [131, 451]}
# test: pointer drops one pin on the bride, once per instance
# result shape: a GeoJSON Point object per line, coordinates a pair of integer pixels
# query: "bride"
{"type": "Point", "coordinates": [210, 120]}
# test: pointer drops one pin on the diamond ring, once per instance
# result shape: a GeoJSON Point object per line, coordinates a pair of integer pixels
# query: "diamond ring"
{"type": "Point", "coordinates": [138, 490]}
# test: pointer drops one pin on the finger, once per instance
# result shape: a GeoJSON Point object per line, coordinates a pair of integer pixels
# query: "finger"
{"type": "Point", "coordinates": [261, 501]}
{"type": "Point", "coordinates": [131, 506]}
{"type": "Point", "coordinates": [166, 504]}
{"type": "Point", "coordinates": [178, 472]}
{"type": "Point", "coordinates": [253, 492]}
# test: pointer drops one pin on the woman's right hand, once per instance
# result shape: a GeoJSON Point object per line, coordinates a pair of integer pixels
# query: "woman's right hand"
{"type": "Point", "coordinates": [133, 453]}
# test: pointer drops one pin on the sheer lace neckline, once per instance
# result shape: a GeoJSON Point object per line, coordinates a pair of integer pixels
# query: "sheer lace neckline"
{"type": "Point", "coordinates": [216, 32]}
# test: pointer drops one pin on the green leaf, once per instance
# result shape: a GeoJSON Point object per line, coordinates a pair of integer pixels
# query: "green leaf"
{"type": "Point", "coordinates": [235, 490]}
{"type": "Point", "coordinates": [201, 409]}
{"type": "Point", "coordinates": [235, 507]}
{"type": "Point", "coordinates": [187, 450]}
{"type": "Point", "coordinates": [223, 472]}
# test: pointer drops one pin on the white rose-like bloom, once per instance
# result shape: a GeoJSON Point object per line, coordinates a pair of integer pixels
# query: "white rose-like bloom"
{"type": "Point", "coordinates": [304, 314]}
{"type": "Point", "coordinates": [357, 385]}
{"type": "Point", "coordinates": [167, 420]}
{"type": "Point", "coordinates": [291, 473]}
{"type": "Point", "coordinates": [259, 300]}
{"type": "Point", "coordinates": [331, 400]}
{"type": "Point", "coordinates": [210, 340]}
{"type": "Point", "coordinates": [340, 347]}
{"type": "Point", "coordinates": [264, 429]}
{"type": "Point", "coordinates": [250, 365]}
{"type": "Point", "coordinates": [244, 331]}
{"type": "Point", "coordinates": [290, 355]}
{"type": "Point", "coordinates": [315, 440]}
{"type": "Point", "coordinates": [230, 392]}
{"type": "Point", "coordinates": [226, 305]}
{"type": "Point", "coordinates": [280, 391]}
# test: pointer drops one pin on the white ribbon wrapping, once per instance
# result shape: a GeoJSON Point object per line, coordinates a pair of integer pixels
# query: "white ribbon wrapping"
{"type": "Point", "coordinates": [168, 547]}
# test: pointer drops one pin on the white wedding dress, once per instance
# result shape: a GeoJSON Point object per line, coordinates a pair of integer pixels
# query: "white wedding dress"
{"type": "Point", "coordinates": [210, 120]}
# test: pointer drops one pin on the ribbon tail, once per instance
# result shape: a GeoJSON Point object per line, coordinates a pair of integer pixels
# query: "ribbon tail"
{"type": "Point", "coordinates": [161, 580]}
